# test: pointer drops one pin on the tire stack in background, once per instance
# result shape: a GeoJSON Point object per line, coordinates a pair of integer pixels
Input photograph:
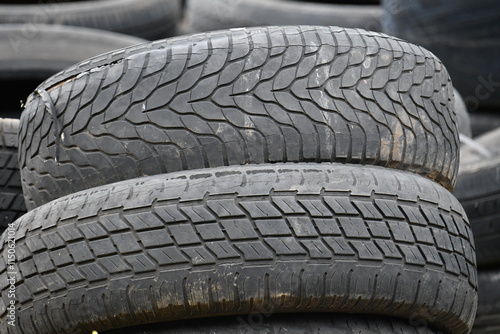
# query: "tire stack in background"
{"type": "Point", "coordinates": [478, 189]}
{"type": "Point", "coordinates": [211, 15]}
{"type": "Point", "coordinates": [39, 39]}
{"type": "Point", "coordinates": [464, 35]}
{"type": "Point", "coordinates": [244, 172]}
{"type": "Point", "coordinates": [262, 180]}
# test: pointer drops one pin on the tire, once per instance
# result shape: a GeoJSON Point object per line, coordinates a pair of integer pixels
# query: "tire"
{"type": "Point", "coordinates": [488, 312]}
{"type": "Point", "coordinates": [285, 323]}
{"type": "Point", "coordinates": [463, 118]}
{"type": "Point", "coordinates": [471, 156]}
{"type": "Point", "coordinates": [483, 121]}
{"type": "Point", "coordinates": [204, 15]}
{"type": "Point", "coordinates": [149, 19]}
{"type": "Point", "coordinates": [131, 125]}
{"type": "Point", "coordinates": [11, 194]}
{"type": "Point", "coordinates": [29, 57]}
{"type": "Point", "coordinates": [462, 33]}
{"type": "Point", "coordinates": [235, 240]}
{"type": "Point", "coordinates": [478, 190]}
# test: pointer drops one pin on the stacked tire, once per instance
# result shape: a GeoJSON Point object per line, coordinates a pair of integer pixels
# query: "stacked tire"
{"type": "Point", "coordinates": [478, 189]}
{"type": "Point", "coordinates": [300, 175]}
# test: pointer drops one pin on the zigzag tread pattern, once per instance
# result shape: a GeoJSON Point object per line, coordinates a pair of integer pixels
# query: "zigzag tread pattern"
{"type": "Point", "coordinates": [269, 95]}
{"type": "Point", "coordinates": [299, 237]}
{"type": "Point", "coordinates": [11, 195]}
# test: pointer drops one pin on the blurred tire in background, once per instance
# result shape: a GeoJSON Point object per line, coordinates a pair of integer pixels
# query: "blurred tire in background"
{"type": "Point", "coordinates": [463, 118]}
{"type": "Point", "coordinates": [488, 312]}
{"type": "Point", "coordinates": [26, 60]}
{"type": "Point", "coordinates": [150, 19]}
{"type": "Point", "coordinates": [203, 15]}
{"type": "Point", "coordinates": [483, 121]}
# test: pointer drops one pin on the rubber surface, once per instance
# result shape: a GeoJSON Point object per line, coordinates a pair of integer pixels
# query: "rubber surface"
{"type": "Point", "coordinates": [150, 19]}
{"type": "Point", "coordinates": [11, 195]}
{"type": "Point", "coordinates": [483, 121]}
{"type": "Point", "coordinates": [478, 189]}
{"type": "Point", "coordinates": [29, 57]}
{"type": "Point", "coordinates": [259, 323]}
{"type": "Point", "coordinates": [204, 15]}
{"type": "Point", "coordinates": [50, 49]}
{"type": "Point", "coordinates": [233, 240]}
{"type": "Point", "coordinates": [488, 312]}
{"type": "Point", "coordinates": [463, 118]}
{"type": "Point", "coordinates": [462, 33]}
{"type": "Point", "coordinates": [243, 96]}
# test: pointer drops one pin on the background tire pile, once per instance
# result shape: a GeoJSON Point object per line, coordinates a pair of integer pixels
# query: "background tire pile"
{"type": "Point", "coordinates": [286, 178]}
{"type": "Point", "coordinates": [478, 190]}
{"type": "Point", "coordinates": [469, 46]}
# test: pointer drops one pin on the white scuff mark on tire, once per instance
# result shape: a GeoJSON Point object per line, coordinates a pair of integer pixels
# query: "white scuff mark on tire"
{"type": "Point", "coordinates": [367, 63]}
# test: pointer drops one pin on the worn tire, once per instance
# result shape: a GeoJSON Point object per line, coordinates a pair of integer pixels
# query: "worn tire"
{"type": "Point", "coordinates": [230, 98]}
{"type": "Point", "coordinates": [11, 194]}
{"type": "Point", "coordinates": [202, 15]}
{"type": "Point", "coordinates": [233, 240]}
{"type": "Point", "coordinates": [478, 190]}
{"type": "Point", "coordinates": [150, 19]}
{"type": "Point", "coordinates": [29, 57]}
{"type": "Point", "coordinates": [488, 311]}
{"type": "Point", "coordinates": [259, 323]}
{"type": "Point", "coordinates": [462, 33]}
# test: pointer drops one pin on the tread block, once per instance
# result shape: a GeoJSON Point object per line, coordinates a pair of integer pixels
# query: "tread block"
{"type": "Point", "coordinates": [239, 229]}
{"type": "Point", "coordinates": [270, 227]}
{"type": "Point", "coordinates": [254, 250]}
{"type": "Point", "coordinates": [184, 234]}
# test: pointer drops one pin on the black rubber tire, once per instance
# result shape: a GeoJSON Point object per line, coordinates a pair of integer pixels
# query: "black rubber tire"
{"type": "Point", "coordinates": [470, 157]}
{"type": "Point", "coordinates": [488, 311]}
{"type": "Point", "coordinates": [462, 33]}
{"type": "Point", "coordinates": [259, 323]}
{"type": "Point", "coordinates": [49, 49]}
{"type": "Point", "coordinates": [463, 118]}
{"type": "Point", "coordinates": [235, 240]}
{"type": "Point", "coordinates": [229, 98]}
{"type": "Point", "coordinates": [483, 121]}
{"type": "Point", "coordinates": [29, 57]}
{"type": "Point", "coordinates": [149, 19]}
{"type": "Point", "coordinates": [11, 194]}
{"type": "Point", "coordinates": [478, 189]}
{"type": "Point", "coordinates": [202, 15]}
